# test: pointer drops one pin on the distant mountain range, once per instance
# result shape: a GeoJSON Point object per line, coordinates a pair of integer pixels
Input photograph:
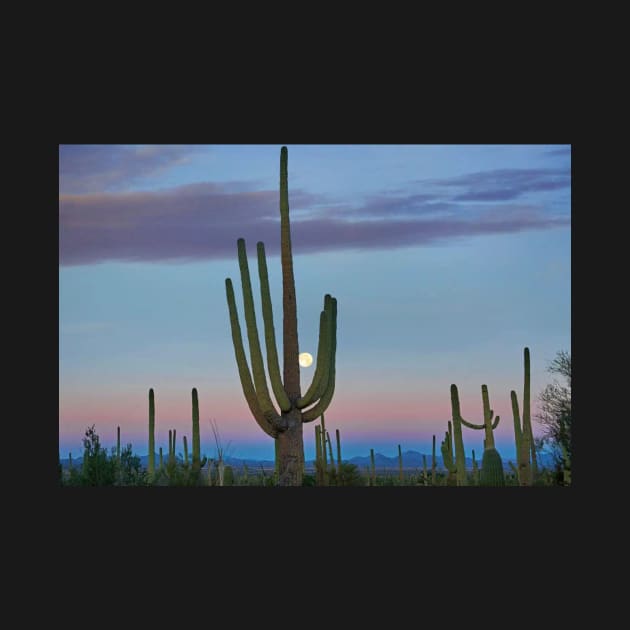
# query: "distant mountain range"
{"type": "Point", "coordinates": [411, 460]}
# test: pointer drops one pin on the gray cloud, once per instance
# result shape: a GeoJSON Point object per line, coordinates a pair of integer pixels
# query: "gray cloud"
{"type": "Point", "coordinates": [203, 221]}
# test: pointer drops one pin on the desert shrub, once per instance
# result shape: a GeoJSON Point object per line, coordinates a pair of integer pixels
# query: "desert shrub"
{"type": "Point", "coordinates": [349, 475]}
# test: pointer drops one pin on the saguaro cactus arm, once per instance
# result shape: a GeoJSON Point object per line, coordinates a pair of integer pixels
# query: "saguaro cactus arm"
{"type": "Point", "coordinates": [488, 426]}
{"type": "Point", "coordinates": [322, 369]}
{"type": "Point", "coordinates": [258, 370]}
{"type": "Point", "coordinates": [270, 334]}
{"type": "Point", "coordinates": [324, 401]}
{"type": "Point", "coordinates": [243, 369]}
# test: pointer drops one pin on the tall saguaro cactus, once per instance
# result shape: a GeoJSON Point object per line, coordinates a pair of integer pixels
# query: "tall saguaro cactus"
{"type": "Point", "coordinates": [151, 433]}
{"type": "Point", "coordinates": [433, 465]}
{"type": "Point", "coordinates": [285, 425]}
{"type": "Point", "coordinates": [197, 462]}
{"type": "Point", "coordinates": [523, 434]}
{"type": "Point", "coordinates": [447, 456]}
{"type": "Point", "coordinates": [460, 454]}
{"type": "Point", "coordinates": [527, 420]}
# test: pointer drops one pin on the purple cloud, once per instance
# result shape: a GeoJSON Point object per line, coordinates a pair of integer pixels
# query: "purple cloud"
{"type": "Point", "coordinates": [504, 184]}
{"type": "Point", "coordinates": [87, 168]}
{"type": "Point", "coordinates": [203, 221]}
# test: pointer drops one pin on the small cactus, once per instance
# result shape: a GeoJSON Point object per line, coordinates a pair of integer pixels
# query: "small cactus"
{"type": "Point", "coordinates": [372, 468]}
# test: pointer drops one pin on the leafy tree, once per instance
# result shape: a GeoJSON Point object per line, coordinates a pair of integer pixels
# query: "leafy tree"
{"type": "Point", "coordinates": [131, 472]}
{"type": "Point", "coordinates": [555, 411]}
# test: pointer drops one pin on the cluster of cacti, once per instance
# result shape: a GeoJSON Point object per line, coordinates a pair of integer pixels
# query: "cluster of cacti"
{"type": "Point", "coordinates": [488, 426]}
{"type": "Point", "coordinates": [325, 467]}
{"type": "Point", "coordinates": [286, 425]}
{"type": "Point", "coordinates": [176, 473]}
{"type": "Point", "coordinates": [492, 473]}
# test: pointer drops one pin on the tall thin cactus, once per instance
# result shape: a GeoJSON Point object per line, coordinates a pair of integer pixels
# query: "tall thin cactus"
{"type": "Point", "coordinates": [372, 468]}
{"type": "Point", "coordinates": [433, 465]}
{"type": "Point", "coordinates": [521, 437]}
{"type": "Point", "coordinates": [285, 426]}
{"type": "Point", "coordinates": [197, 462]}
{"type": "Point", "coordinates": [460, 454]}
{"type": "Point", "coordinates": [151, 434]}
{"type": "Point", "coordinates": [330, 451]}
{"type": "Point", "coordinates": [319, 458]}
{"type": "Point", "coordinates": [400, 464]}
{"type": "Point", "coordinates": [447, 456]}
{"type": "Point", "coordinates": [323, 436]}
{"type": "Point", "coordinates": [523, 434]}
{"type": "Point", "coordinates": [338, 452]}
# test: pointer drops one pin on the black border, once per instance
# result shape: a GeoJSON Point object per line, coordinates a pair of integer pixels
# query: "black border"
{"type": "Point", "coordinates": [391, 518]}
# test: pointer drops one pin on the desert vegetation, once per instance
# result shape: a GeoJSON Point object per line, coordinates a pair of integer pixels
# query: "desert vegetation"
{"type": "Point", "coordinates": [121, 467]}
{"type": "Point", "coordinates": [284, 420]}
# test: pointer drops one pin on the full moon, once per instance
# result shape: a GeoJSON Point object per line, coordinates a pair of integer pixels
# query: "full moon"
{"type": "Point", "coordinates": [305, 359]}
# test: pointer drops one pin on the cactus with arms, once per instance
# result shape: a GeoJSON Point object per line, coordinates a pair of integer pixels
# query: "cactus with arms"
{"type": "Point", "coordinates": [286, 425]}
{"type": "Point", "coordinates": [496, 470]}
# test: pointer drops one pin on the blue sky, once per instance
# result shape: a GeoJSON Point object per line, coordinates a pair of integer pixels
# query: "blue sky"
{"type": "Point", "coordinates": [445, 260]}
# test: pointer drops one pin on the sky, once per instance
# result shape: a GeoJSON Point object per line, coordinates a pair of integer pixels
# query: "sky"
{"type": "Point", "coordinates": [446, 261]}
